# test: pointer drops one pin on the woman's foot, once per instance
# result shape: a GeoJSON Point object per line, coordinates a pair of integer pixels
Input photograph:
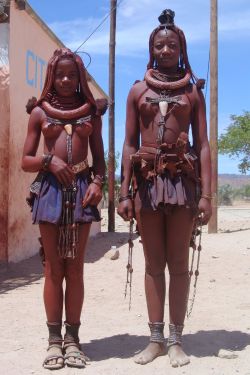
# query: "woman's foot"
{"type": "Point", "coordinates": [153, 350]}
{"type": "Point", "coordinates": [74, 357]}
{"type": "Point", "coordinates": [54, 360]}
{"type": "Point", "coordinates": [177, 356]}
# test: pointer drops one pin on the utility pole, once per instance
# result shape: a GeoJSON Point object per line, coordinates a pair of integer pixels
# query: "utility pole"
{"type": "Point", "coordinates": [212, 225]}
{"type": "Point", "coordinates": [111, 154]}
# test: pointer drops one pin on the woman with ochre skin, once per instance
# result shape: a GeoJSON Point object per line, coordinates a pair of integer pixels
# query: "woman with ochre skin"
{"type": "Point", "coordinates": [171, 180]}
{"type": "Point", "coordinates": [65, 204]}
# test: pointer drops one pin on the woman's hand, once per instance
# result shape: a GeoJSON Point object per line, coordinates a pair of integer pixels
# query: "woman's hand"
{"type": "Point", "coordinates": [61, 171]}
{"type": "Point", "coordinates": [205, 210]}
{"type": "Point", "coordinates": [125, 209]}
{"type": "Point", "coordinates": [92, 196]}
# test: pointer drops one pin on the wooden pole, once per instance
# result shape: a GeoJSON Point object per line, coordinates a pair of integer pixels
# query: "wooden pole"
{"type": "Point", "coordinates": [111, 154]}
{"type": "Point", "coordinates": [212, 225]}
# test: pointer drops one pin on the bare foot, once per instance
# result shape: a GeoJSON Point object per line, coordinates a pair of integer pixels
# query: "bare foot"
{"type": "Point", "coordinates": [54, 359]}
{"type": "Point", "coordinates": [177, 356]}
{"type": "Point", "coordinates": [153, 350]}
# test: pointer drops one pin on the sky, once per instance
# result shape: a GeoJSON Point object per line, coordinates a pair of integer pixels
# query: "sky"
{"type": "Point", "coordinates": [75, 21]}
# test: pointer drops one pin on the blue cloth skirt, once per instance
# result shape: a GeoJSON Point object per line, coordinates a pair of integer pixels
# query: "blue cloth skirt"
{"type": "Point", "coordinates": [46, 204]}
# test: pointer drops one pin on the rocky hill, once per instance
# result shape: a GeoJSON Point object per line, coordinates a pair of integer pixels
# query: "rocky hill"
{"type": "Point", "coordinates": [235, 180]}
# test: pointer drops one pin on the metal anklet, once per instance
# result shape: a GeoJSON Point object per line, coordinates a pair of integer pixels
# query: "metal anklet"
{"type": "Point", "coordinates": [175, 334]}
{"type": "Point", "coordinates": [156, 330]}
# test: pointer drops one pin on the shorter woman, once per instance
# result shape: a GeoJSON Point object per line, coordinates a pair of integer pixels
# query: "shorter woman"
{"type": "Point", "coordinates": [63, 196]}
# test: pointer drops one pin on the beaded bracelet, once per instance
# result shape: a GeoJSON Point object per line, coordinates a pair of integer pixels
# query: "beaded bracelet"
{"type": "Point", "coordinates": [206, 196]}
{"type": "Point", "coordinates": [46, 160]}
{"type": "Point", "coordinates": [98, 180]}
{"type": "Point", "coordinates": [98, 183]}
{"type": "Point", "coordinates": [125, 198]}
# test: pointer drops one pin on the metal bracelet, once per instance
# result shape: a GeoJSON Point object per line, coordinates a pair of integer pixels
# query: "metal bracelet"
{"type": "Point", "coordinates": [175, 334]}
{"type": "Point", "coordinates": [156, 330]}
{"type": "Point", "coordinates": [46, 160]}
{"type": "Point", "coordinates": [124, 198]}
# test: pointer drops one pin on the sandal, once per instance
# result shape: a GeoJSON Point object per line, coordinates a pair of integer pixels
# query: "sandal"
{"type": "Point", "coordinates": [55, 341]}
{"type": "Point", "coordinates": [80, 359]}
{"type": "Point", "coordinates": [54, 366]}
{"type": "Point", "coordinates": [72, 347]}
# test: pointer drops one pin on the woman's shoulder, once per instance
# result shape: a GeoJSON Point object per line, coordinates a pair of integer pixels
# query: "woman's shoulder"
{"type": "Point", "coordinates": [137, 88]}
{"type": "Point", "coordinates": [194, 92]}
{"type": "Point", "coordinates": [37, 115]}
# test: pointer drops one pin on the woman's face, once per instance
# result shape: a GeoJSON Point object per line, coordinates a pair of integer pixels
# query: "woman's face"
{"type": "Point", "coordinates": [66, 77]}
{"type": "Point", "coordinates": [166, 49]}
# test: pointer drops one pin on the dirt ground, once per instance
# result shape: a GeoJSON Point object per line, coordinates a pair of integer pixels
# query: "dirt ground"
{"type": "Point", "coordinates": [111, 334]}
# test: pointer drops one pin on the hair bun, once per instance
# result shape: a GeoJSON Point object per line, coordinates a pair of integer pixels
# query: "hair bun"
{"type": "Point", "coordinates": [167, 17]}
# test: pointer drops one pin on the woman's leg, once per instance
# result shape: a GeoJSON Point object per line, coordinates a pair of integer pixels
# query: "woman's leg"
{"type": "Point", "coordinates": [152, 229]}
{"type": "Point", "coordinates": [179, 227]}
{"type": "Point", "coordinates": [53, 272]}
{"type": "Point", "coordinates": [74, 295]}
{"type": "Point", "coordinates": [53, 292]}
{"type": "Point", "coordinates": [74, 292]}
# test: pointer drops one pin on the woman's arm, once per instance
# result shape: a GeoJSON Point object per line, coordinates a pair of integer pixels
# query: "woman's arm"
{"type": "Point", "coordinates": [201, 145]}
{"type": "Point", "coordinates": [31, 162]}
{"type": "Point", "coordinates": [130, 146]}
{"type": "Point", "coordinates": [34, 163]}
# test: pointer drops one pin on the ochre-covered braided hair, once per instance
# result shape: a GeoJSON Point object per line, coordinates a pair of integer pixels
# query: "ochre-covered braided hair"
{"type": "Point", "coordinates": [167, 23]}
{"type": "Point", "coordinates": [84, 92]}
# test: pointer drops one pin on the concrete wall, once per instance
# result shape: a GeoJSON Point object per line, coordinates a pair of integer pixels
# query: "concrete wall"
{"type": "Point", "coordinates": [30, 46]}
{"type": "Point", "coordinates": [4, 137]}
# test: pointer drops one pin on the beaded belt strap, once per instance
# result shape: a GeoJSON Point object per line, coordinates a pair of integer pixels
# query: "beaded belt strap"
{"type": "Point", "coordinates": [77, 168]}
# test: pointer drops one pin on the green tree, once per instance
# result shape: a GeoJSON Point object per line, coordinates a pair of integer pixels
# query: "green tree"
{"type": "Point", "coordinates": [236, 141]}
{"type": "Point", "coordinates": [225, 195]}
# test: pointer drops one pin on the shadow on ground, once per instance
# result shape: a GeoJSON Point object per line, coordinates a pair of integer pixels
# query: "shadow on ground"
{"type": "Point", "coordinates": [233, 230]}
{"type": "Point", "coordinates": [16, 275]}
{"type": "Point", "coordinates": [97, 246]}
{"type": "Point", "coordinates": [200, 344]}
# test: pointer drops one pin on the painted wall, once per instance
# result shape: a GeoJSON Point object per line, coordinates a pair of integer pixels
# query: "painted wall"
{"type": "Point", "coordinates": [30, 47]}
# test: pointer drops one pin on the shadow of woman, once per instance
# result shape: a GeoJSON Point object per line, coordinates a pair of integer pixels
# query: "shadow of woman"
{"type": "Point", "coordinates": [118, 346]}
{"type": "Point", "coordinates": [100, 244]}
{"type": "Point", "coordinates": [200, 344]}
{"type": "Point", "coordinates": [208, 343]}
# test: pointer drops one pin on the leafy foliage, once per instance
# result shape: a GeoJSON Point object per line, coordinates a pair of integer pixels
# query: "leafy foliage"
{"type": "Point", "coordinates": [225, 195]}
{"type": "Point", "coordinates": [236, 141]}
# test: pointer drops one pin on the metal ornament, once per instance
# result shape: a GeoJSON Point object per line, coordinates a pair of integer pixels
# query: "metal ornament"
{"type": "Point", "coordinates": [197, 232]}
{"type": "Point", "coordinates": [129, 264]}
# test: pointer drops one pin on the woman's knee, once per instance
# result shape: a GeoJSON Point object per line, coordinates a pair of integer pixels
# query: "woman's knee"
{"type": "Point", "coordinates": [178, 267]}
{"type": "Point", "coordinates": [74, 272]}
{"type": "Point", "coordinates": [155, 270]}
{"type": "Point", "coordinates": [54, 271]}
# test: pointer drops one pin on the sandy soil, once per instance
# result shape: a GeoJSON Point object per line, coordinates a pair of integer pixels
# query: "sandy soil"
{"type": "Point", "coordinates": [111, 334]}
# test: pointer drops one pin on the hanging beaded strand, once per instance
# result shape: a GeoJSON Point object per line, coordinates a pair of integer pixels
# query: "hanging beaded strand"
{"type": "Point", "coordinates": [197, 232]}
{"type": "Point", "coordinates": [68, 229]}
{"type": "Point", "coordinates": [129, 264]}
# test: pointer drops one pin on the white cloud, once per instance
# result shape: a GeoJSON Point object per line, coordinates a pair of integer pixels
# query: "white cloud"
{"type": "Point", "coordinates": [136, 20]}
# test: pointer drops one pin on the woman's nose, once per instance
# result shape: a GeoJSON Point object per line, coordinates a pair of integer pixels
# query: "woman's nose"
{"type": "Point", "coordinates": [165, 50]}
{"type": "Point", "coordinates": [65, 79]}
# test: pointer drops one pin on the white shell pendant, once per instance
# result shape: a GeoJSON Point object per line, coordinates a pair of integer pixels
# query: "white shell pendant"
{"type": "Point", "coordinates": [163, 105]}
{"type": "Point", "coordinates": [68, 129]}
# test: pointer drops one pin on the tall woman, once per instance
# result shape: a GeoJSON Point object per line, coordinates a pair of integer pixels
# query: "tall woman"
{"type": "Point", "coordinates": [63, 196]}
{"type": "Point", "coordinates": [171, 179]}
